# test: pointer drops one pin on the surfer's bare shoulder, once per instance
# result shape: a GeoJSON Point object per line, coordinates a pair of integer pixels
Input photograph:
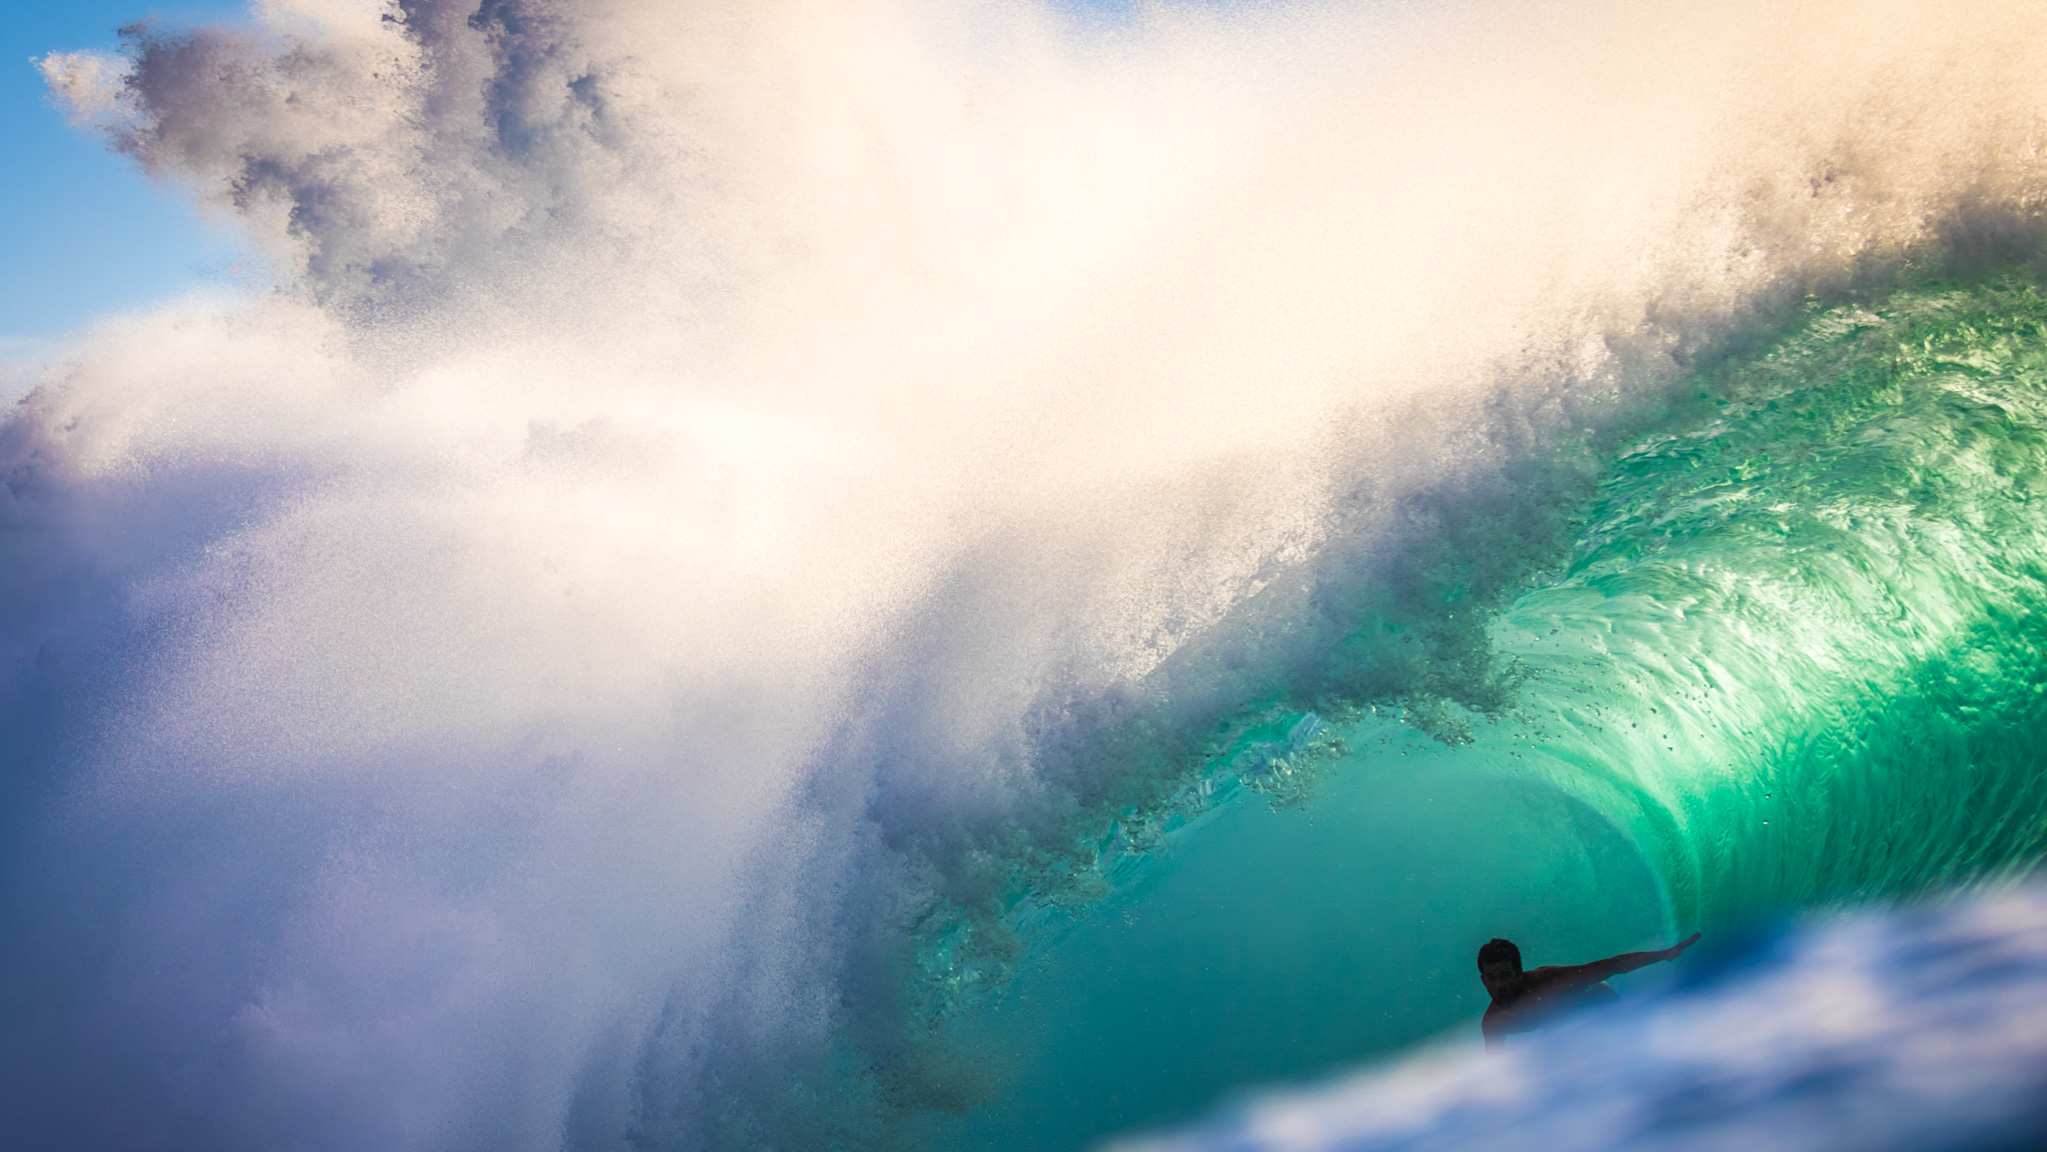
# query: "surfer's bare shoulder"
{"type": "Point", "coordinates": [1520, 995]}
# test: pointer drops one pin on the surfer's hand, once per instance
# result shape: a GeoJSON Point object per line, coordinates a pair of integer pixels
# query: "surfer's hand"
{"type": "Point", "coordinates": [1672, 952]}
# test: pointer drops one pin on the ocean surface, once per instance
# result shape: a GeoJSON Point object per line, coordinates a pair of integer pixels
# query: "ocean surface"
{"type": "Point", "coordinates": [1793, 658]}
{"type": "Point", "coordinates": [1917, 1030]}
{"type": "Point", "coordinates": [911, 575]}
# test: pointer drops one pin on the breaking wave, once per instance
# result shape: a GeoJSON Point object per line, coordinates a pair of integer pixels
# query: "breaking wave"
{"type": "Point", "coordinates": [727, 531]}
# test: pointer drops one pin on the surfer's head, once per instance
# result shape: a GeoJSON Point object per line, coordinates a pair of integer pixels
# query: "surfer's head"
{"type": "Point", "coordinates": [1499, 965]}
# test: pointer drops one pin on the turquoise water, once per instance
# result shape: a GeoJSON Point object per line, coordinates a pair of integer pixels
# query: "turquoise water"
{"type": "Point", "coordinates": [1797, 654]}
{"type": "Point", "coordinates": [1794, 656]}
{"type": "Point", "coordinates": [1748, 1053]}
{"type": "Point", "coordinates": [1277, 944]}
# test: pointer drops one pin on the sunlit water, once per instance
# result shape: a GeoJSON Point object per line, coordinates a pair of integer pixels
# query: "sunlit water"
{"type": "Point", "coordinates": [1794, 657]}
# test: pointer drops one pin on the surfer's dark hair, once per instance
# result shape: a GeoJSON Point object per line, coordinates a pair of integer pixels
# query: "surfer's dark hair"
{"type": "Point", "coordinates": [1498, 951]}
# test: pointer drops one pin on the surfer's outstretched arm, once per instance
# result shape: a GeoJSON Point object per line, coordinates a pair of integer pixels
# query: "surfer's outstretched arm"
{"type": "Point", "coordinates": [1563, 977]}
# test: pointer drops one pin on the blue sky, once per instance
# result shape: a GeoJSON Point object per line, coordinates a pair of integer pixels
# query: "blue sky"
{"type": "Point", "coordinates": [85, 232]}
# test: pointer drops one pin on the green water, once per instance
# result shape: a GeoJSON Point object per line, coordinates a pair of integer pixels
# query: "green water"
{"type": "Point", "coordinates": [1798, 654]}
{"type": "Point", "coordinates": [1277, 944]}
{"type": "Point", "coordinates": [1795, 656]}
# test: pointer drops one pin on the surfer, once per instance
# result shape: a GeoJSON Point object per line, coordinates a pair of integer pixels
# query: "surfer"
{"type": "Point", "coordinates": [1522, 1000]}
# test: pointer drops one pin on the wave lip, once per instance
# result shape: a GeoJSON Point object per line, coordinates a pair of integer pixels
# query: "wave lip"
{"type": "Point", "coordinates": [1918, 1029]}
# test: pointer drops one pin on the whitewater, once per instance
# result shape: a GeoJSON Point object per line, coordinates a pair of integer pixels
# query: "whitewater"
{"type": "Point", "coordinates": [911, 574]}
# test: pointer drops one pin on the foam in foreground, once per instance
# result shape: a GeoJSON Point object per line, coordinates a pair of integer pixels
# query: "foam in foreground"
{"type": "Point", "coordinates": [1920, 1029]}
